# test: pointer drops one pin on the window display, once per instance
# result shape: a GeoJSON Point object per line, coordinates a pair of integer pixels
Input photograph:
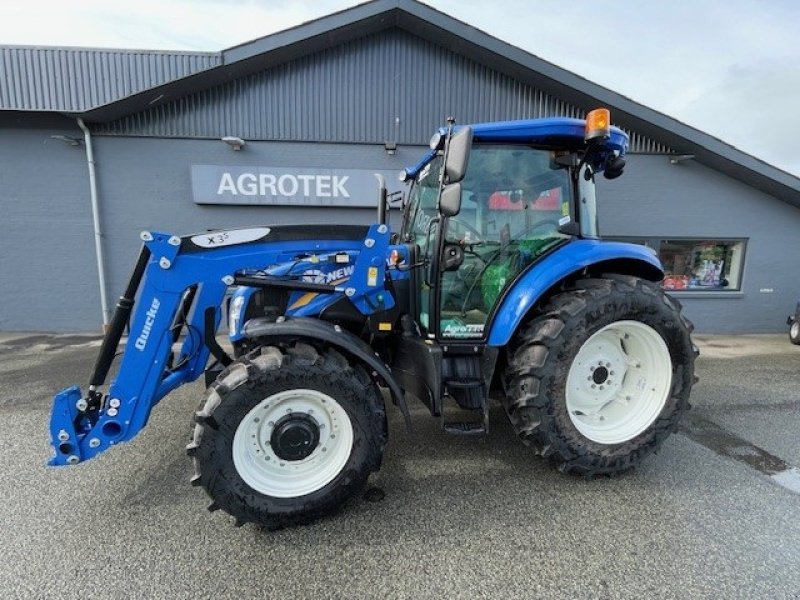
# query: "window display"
{"type": "Point", "coordinates": [699, 265]}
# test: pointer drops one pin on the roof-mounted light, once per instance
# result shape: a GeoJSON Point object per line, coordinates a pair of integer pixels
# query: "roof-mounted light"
{"type": "Point", "coordinates": [598, 124]}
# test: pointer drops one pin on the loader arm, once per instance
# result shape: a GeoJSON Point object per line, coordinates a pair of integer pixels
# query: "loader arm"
{"type": "Point", "coordinates": [178, 285]}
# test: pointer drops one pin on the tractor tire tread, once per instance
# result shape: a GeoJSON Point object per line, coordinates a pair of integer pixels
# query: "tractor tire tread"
{"type": "Point", "coordinates": [534, 370]}
{"type": "Point", "coordinates": [294, 365]}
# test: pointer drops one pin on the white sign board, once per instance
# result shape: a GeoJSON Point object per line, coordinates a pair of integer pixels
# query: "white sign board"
{"type": "Point", "coordinates": [214, 184]}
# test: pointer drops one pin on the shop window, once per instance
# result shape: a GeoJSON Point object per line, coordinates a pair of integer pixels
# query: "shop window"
{"type": "Point", "coordinates": [699, 265]}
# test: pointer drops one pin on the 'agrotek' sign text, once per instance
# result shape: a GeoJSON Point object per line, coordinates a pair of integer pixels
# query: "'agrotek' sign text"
{"type": "Point", "coordinates": [212, 184]}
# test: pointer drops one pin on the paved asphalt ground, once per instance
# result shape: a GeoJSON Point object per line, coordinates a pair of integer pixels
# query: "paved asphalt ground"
{"type": "Point", "coordinates": [461, 517]}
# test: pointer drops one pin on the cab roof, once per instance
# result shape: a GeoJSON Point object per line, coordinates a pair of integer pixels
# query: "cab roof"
{"type": "Point", "coordinates": [556, 132]}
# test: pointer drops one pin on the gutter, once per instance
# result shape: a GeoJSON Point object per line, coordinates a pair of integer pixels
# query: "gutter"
{"type": "Point", "coordinates": [98, 246]}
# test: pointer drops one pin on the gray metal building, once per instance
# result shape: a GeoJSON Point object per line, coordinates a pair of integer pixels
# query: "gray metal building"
{"type": "Point", "coordinates": [320, 108]}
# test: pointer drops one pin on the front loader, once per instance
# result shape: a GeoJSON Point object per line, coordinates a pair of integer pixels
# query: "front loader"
{"type": "Point", "coordinates": [496, 286]}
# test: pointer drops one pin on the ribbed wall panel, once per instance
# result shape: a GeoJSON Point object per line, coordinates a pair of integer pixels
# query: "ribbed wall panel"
{"type": "Point", "coordinates": [353, 93]}
{"type": "Point", "coordinates": [645, 145]}
{"type": "Point", "coordinates": [77, 79]}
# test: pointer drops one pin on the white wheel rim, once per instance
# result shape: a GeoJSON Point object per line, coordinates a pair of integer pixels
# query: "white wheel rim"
{"type": "Point", "coordinates": [264, 471]}
{"type": "Point", "coordinates": [619, 382]}
{"type": "Point", "coordinates": [795, 330]}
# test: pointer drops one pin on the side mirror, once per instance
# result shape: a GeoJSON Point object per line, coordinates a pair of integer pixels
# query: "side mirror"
{"type": "Point", "coordinates": [458, 154]}
{"type": "Point", "coordinates": [450, 200]}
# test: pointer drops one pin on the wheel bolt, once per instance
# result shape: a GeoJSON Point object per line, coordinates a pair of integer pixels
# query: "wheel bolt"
{"type": "Point", "coordinates": [256, 420]}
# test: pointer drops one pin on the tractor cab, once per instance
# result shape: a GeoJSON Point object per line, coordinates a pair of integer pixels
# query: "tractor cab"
{"type": "Point", "coordinates": [487, 203]}
{"type": "Point", "coordinates": [514, 200]}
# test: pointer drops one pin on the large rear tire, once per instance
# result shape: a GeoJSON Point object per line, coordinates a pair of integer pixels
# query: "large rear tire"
{"type": "Point", "coordinates": [600, 377]}
{"type": "Point", "coordinates": [287, 435]}
{"type": "Point", "coordinates": [794, 330]}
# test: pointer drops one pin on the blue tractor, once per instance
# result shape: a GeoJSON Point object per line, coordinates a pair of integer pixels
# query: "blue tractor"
{"type": "Point", "coordinates": [496, 286]}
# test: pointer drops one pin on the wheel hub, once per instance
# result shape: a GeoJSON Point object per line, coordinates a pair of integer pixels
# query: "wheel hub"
{"type": "Point", "coordinates": [600, 375]}
{"type": "Point", "coordinates": [618, 382]}
{"type": "Point", "coordinates": [295, 437]}
{"type": "Point", "coordinates": [292, 443]}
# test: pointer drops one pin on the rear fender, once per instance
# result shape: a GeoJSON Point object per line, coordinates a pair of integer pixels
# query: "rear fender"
{"type": "Point", "coordinates": [564, 263]}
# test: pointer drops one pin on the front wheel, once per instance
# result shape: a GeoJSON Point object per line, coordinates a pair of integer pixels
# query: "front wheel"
{"type": "Point", "coordinates": [287, 435]}
{"type": "Point", "coordinates": [601, 376]}
{"type": "Point", "coordinates": [794, 330]}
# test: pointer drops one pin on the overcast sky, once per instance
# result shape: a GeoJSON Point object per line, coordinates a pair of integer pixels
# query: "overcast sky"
{"type": "Point", "coordinates": [728, 67]}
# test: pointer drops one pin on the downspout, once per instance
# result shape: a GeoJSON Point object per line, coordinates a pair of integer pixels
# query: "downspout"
{"type": "Point", "coordinates": [98, 246]}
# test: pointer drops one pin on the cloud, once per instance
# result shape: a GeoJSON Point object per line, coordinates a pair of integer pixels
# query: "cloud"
{"type": "Point", "coordinates": [728, 67]}
{"type": "Point", "coordinates": [753, 107]}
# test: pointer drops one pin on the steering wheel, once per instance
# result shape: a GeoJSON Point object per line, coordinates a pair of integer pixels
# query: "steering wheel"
{"type": "Point", "coordinates": [552, 224]}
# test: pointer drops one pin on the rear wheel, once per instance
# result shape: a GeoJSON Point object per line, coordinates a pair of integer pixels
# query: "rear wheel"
{"type": "Point", "coordinates": [794, 330]}
{"type": "Point", "coordinates": [601, 376]}
{"type": "Point", "coordinates": [288, 435]}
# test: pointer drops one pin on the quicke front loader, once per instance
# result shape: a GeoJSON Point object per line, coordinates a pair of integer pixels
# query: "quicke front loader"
{"type": "Point", "coordinates": [497, 285]}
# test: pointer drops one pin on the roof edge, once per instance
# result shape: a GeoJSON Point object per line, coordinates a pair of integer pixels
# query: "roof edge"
{"type": "Point", "coordinates": [439, 28]}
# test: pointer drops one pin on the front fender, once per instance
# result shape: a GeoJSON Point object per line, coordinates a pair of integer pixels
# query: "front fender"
{"type": "Point", "coordinates": [568, 260]}
{"type": "Point", "coordinates": [321, 331]}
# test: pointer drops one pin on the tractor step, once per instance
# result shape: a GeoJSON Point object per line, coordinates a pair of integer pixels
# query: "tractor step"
{"type": "Point", "coordinates": [471, 398]}
{"type": "Point", "coordinates": [466, 428]}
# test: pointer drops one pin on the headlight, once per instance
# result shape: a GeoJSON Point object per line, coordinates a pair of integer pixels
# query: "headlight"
{"type": "Point", "coordinates": [235, 312]}
{"type": "Point", "coordinates": [436, 140]}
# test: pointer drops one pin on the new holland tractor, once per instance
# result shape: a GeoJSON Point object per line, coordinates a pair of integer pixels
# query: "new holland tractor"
{"type": "Point", "coordinates": [496, 286]}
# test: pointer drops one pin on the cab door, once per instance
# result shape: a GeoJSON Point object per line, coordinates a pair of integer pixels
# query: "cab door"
{"type": "Point", "coordinates": [514, 201]}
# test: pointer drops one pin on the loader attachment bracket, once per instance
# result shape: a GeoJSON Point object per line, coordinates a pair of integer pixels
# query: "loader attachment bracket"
{"type": "Point", "coordinates": [63, 434]}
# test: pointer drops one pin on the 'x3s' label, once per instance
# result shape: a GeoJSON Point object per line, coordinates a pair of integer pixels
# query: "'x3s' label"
{"type": "Point", "coordinates": [217, 239]}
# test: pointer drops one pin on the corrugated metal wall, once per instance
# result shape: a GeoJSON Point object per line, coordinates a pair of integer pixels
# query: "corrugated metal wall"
{"type": "Point", "coordinates": [390, 86]}
{"type": "Point", "coordinates": [77, 79]}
